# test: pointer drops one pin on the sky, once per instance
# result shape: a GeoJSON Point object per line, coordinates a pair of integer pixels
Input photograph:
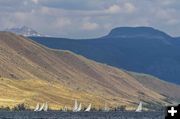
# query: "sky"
{"type": "Point", "coordinates": [89, 18]}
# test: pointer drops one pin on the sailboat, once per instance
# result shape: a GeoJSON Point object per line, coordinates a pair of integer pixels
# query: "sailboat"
{"type": "Point", "coordinates": [106, 109]}
{"type": "Point", "coordinates": [75, 106]}
{"type": "Point", "coordinates": [79, 108]}
{"type": "Point", "coordinates": [139, 109]}
{"type": "Point", "coordinates": [88, 108]}
{"type": "Point", "coordinates": [64, 109]}
{"type": "Point", "coordinates": [41, 108]}
{"type": "Point", "coordinates": [37, 107]}
{"type": "Point", "coordinates": [46, 107]}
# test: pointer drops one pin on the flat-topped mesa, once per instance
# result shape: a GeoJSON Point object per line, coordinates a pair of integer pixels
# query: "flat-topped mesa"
{"type": "Point", "coordinates": [124, 32]}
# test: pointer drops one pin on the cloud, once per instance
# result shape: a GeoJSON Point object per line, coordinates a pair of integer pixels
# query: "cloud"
{"type": "Point", "coordinates": [62, 22]}
{"type": "Point", "coordinates": [35, 1]}
{"type": "Point", "coordinates": [121, 8]}
{"type": "Point", "coordinates": [114, 9]}
{"type": "Point", "coordinates": [90, 26]}
{"type": "Point", "coordinates": [129, 7]}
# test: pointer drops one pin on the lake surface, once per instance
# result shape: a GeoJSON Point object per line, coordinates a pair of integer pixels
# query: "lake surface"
{"type": "Point", "coordinates": [81, 115]}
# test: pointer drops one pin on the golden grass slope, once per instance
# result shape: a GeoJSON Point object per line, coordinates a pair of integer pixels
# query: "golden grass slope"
{"type": "Point", "coordinates": [31, 73]}
{"type": "Point", "coordinates": [31, 91]}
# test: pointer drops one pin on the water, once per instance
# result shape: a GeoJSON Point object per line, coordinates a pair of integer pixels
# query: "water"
{"type": "Point", "coordinates": [81, 115]}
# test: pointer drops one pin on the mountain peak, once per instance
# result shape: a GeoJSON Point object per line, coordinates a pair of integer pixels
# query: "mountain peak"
{"type": "Point", "coordinates": [24, 30]}
{"type": "Point", "coordinates": [124, 32]}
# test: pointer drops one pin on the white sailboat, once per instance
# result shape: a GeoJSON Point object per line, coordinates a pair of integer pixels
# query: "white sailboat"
{"type": "Point", "coordinates": [88, 108]}
{"type": "Point", "coordinates": [41, 108]}
{"type": "Point", "coordinates": [79, 108]}
{"type": "Point", "coordinates": [139, 109]}
{"type": "Point", "coordinates": [37, 107]}
{"type": "Point", "coordinates": [106, 109]}
{"type": "Point", "coordinates": [65, 109]}
{"type": "Point", "coordinates": [46, 107]}
{"type": "Point", "coordinates": [75, 106]}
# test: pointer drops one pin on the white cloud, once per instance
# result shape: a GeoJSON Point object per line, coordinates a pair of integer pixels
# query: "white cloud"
{"type": "Point", "coordinates": [35, 1]}
{"type": "Point", "coordinates": [114, 9]}
{"type": "Point", "coordinates": [90, 26]}
{"type": "Point", "coordinates": [62, 22]}
{"type": "Point", "coordinates": [129, 7]}
{"type": "Point", "coordinates": [121, 8]}
{"type": "Point", "coordinates": [52, 11]}
{"type": "Point", "coordinates": [168, 16]}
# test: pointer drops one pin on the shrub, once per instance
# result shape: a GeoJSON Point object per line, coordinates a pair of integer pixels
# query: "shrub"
{"type": "Point", "coordinates": [20, 107]}
{"type": "Point", "coordinates": [120, 108]}
{"type": "Point", "coordinates": [4, 108]}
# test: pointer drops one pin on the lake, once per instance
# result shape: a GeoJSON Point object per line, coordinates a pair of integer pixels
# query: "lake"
{"type": "Point", "coordinates": [81, 115]}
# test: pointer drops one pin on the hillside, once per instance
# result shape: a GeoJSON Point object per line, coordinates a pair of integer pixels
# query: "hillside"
{"type": "Point", "coordinates": [139, 49]}
{"type": "Point", "coordinates": [167, 89]}
{"type": "Point", "coordinates": [31, 73]}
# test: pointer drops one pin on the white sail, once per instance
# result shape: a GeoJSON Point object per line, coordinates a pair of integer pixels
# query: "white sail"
{"type": "Point", "coordinates": [65, 109]}
{"type": "Point", "coordinates": [139, 109]}
{"type": "Point", "coordinates": [41, 108]}
{"type": "Point", "coordinates": [88, 108]}
{"type": "Point", "coordinates": [106, 109]}
{"type": "Point", "coordinates": [75, 106]}
{"type": "Point", "coordinates": [46, 107]}
{"type": "Point", "coordinates": [37, 107]}
{"type": "Point", "coordinates": [79, 108]}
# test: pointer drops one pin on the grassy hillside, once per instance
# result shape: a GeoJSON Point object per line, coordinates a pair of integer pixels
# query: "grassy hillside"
{"type": "Point", "coordinates": [167, 89]}
{"type": "Point", "coordinates": [31, 91]}
{"type": "Point", "coordinates": [31, 73]}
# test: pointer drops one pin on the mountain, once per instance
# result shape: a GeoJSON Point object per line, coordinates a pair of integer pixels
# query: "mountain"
{"type": "Point", "coordinates": [129, 32]}
{"type": "Point", "coordinates": [139, 49]}
{"type": "Point", "coordinates": [24, 30]}
{"type": "Point", "coordinates": [31, 73]}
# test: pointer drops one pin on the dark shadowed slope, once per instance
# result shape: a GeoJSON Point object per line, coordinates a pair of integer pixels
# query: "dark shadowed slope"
{"type": "Point", "coordinates": [139, 49]}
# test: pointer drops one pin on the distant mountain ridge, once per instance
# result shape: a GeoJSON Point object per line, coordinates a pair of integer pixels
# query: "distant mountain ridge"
{"type": "Point", "coordinates": [24, 30]}
{"type": "Point", "coordinates": [140, 49]}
